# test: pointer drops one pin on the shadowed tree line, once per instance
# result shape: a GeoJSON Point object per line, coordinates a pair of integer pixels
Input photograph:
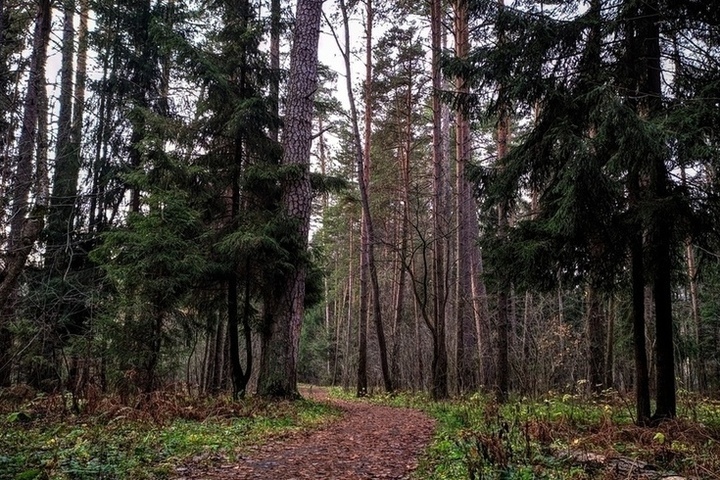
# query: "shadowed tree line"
{"type": "Point", "coordinates": [519, 197]}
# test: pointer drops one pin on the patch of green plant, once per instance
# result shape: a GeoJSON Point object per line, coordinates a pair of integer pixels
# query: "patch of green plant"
{"type": "Point", "coordinates": [123, 446]}
{"type": "Point", "coordinates": [477, 438]}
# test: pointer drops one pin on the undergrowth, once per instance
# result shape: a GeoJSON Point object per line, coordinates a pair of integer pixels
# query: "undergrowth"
{"type": "Point", "coordinates": [41, 439]}
{"type": "Point", "coordinates": [476, 438]}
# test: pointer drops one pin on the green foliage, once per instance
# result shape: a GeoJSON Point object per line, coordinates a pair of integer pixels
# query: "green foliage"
{"type": "Point", "coordinates": [124, 443]}
{"type": "Point", "coordinates": [315, 348]}
{"type": "Point", "coordinates": [476, 438]}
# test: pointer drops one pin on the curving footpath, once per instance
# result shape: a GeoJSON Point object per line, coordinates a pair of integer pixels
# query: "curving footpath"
{"type": "Point", "coordinates": [367, 442]}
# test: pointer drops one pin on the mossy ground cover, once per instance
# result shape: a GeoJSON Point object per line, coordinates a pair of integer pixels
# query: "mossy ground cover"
{"type": "Point", "coordinates": [41, 439]}
{"type": "Point", "coordinates": [530, 439]}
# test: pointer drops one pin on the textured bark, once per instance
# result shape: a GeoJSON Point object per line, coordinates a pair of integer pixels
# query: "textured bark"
{"type": "Point", "coordinates": [481, 311]}
{"type": "Point", "coordinates": [700, 364]}
{"type": "Point", "coordinates": [595, 323]}
{"type": "Point", "coordinates": [642, 388]}
{"type": "Point", "coordinates": [240, 377]}
{"type": "Point", "coordinates": [278, 367]}
{"type": "Point", "coordinates": [217, 357]}
{"type": "Point", "coordinates": [142, 82]}
{"type": "Point", "coordinates": [502, 383]}
{"type": "Point", "coordinates": [440, 214]}
{"type": "Point", "coordinates": [365, 198]}
{"type": "Point", "coordinates": [44, 371]}
{"type": "Point", "coordinates": [26, 225]}
{"type": "Point", "coordinates": [67, 158]}
{"type": "Point", "coordinates": [275, 63]}
{"type": "Point", "coordinates": [368, 272]}
{"type": "Point", "coordinates": [466, 354]}
{"type": "Point", "coordinates": [80, 78]}
{"type": "Point", "coordinates": [661, 229]}
{"type": "Point", "coordinates": [610, 346]}
{"type": "Point", "coordinates": [404, 150]}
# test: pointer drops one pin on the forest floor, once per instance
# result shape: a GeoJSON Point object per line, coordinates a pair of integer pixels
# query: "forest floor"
{"type": "Point", "coordinates": [368, 441]}
{"type": "Point", "coordinates": [332, 435]}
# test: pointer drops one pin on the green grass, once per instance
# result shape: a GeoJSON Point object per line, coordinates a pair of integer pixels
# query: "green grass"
{"type": "Point", "coordinates": [525, 439]}
{"type": "Point", "coordinates": [37, 442]}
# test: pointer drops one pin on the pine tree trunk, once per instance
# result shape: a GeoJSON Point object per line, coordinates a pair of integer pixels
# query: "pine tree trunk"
{"type": "Point", "coordinates": [481, 312]}
{"type": "Point", "coordinates": [217, 357]}
{"type": "Point", "coordinates": [700, 366]}
{"type": "Point", "coordinates": [595, 323]}
{"type": "Point", "coordinates": [660, 231]}
{"type": "Point", "coordinates": [236, 369]}
{"type": "Point", "coordinates": [466, 347]}
{"type": "Point", "coordinates": [45, 374]}
{"type": "Point", "coordinates": [142, 83]}
{"type": "Point", "coordinates": [275, 12]}
{"type": "Point", "coordinates": [26, 225]}
{"type": "Point", "coordinates": [365, 199]}
{"type": "Point", "coordinates": [278, 367]}
{"type": "Point", "coordinates": [610, 346]}
{"type": "Point", "coordinates": [368, 272]}
{"type": "Point", "coordinates": [67, 159]}
{"type": "Point", "coordinates": [502, 383]}
{"type": "Point", "coordinates": [642, 388]}
{"type": "Point", "coordinates": [399, 299]}
{"type": "Point", "coordinates": [440, 207]}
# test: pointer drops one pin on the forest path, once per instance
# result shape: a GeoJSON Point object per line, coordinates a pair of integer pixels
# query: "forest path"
{"type": "Point", "coordinates": [367, 442]}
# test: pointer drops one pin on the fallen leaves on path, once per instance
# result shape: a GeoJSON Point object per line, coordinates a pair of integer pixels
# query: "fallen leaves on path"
{"type": "Point", "coordinates": [367, 442]}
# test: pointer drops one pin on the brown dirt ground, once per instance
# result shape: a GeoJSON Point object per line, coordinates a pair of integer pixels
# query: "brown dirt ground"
{"type": "Point", "coordinates": [367, 442]}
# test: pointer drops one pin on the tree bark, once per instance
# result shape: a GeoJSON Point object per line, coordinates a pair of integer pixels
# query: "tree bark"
{"type": "Point", "coordinates": [364, 167]}
{"type": "Point", "coordinates": [26, 224]}
{"type": "Point", "coordinates": [440, 214]}
{"type": "Point", "coordinates": [368, 270]}
{"type": "Point", "coordinates": [67, 158]}
{"type": "Point", "coordinates": [278, 367]}
{"type": "Point", "coordinates": [595, 323]}
{"type": "Point", "coordinates": [275, 63]}
{"type": "Point", "coordinates": [503, 137]}
{"type": "Point", "coordinates": [466, 347]}
{"type": "Point", "coordinates": [642, 388]}
{"type": "Point", "coordinates": [660, 228]}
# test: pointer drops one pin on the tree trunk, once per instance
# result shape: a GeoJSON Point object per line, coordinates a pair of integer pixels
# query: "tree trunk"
{"type": "Point", "coordinates": [399, 299]}
{"type": "Point", "coordinates": [466, 347]}
{"type": "Point", "coordinates": [278, 367]}
{"type": "Point", "coordinates": [367, 238]}
{"type": "Point", "coordinates": [26, 225]}
{"type": "Point", "coordinates": [660, 230]}
{"type": "Point", "coordinates": [481, 311]}
{"type": "Point", "coordinates": [610, 345]}
{"type": "Point", "coordinates": [275, 63]}
{"type": "Point", "coordinates": [364, 167]}
{"type": "Point", "coordinates": [236, 369]}
{"type": "Point", "coordinates": [503, 138]}
{"type": "Point", "coordinates": [67, 159]}
{"type": "Point", "coordinates": [217, 359]}
{"type": "Point", "coordinates": [142, 82]}
{"type": "Point", "coordinates": [642, 388]}
{"type": "Point", "coordinates": [595, 324]}
{"type": "Point", "coordinates": [351, 306]}
{"type": "Point", "coordinates": [440, 216]}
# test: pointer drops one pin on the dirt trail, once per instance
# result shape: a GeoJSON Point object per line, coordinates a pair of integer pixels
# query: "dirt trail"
{"type": "Point", "coordinates": [367, 442]}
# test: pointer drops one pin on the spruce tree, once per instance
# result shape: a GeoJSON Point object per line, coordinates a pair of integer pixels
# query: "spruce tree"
{"type": "Point", "coordinates": [599, 156]}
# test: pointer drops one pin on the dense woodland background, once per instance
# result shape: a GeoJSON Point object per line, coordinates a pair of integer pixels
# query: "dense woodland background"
{"type": "Point", "coordinates": [518, 198]}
